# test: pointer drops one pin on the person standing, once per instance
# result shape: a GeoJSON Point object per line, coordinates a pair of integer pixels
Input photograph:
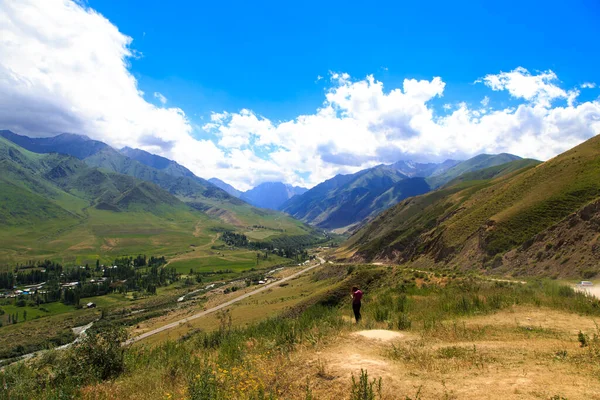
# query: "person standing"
{"type": "Point", "coordinates": [357, 295]}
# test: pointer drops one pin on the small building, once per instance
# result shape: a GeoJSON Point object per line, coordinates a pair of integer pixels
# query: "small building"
{"type": "Point", "coordinates": [90, 305]}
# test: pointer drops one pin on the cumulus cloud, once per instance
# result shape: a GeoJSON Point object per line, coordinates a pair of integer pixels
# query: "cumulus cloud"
{"type": "Point", "coordinates": [360, 124]}
{"type": "Point", "coordinates": [520, 83]}
{"type": "Point", "coordinates": [65, 68]}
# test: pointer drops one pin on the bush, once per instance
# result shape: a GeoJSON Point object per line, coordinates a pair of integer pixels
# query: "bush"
{"type": "Point", "coordinates": [99, 355]}
{"type": "Point", "coordinates": [381, 313]}
{"type": "Point", "coordinates": [204, 385]}
{"type": "Point", "coordinates": [403, 323]}
{"type": "Point", "coordinates": [363, 389]}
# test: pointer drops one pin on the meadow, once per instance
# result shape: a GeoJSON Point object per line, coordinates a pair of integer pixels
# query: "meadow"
{"type": "Point", "coordinates": [453, 337]}
{"type": "Point", "coordinates": [236, 261]}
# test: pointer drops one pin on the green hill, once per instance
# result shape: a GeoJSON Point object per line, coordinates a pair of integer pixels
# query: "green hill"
{"type": "Point", "coordinates": [57, 206]}
{"type": "Point", "coordinates": [19, 206]}
{"type": "Point", "coordinates": [196, 192]}
{"type": "Point", "coordinates": [468, 222]}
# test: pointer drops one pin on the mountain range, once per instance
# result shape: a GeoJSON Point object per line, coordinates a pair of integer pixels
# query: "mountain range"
{"type": "Point", "coordinates": [266, 195]}
{"type": "Point", "coordinates": [346, 201]}
{"type": "Point", "coordinates": [523, 217]}
{"type": "Point", "coordinates": [97, 200]}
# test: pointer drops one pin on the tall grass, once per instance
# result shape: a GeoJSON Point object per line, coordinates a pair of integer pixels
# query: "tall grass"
{"type": "Point", "coordinates": [409, 306]}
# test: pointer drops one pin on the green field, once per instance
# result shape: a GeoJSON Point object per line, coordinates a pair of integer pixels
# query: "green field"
{"type": "Point", "coordinates": [236, 261]}
{"type": "Point", "coordinates": [44, 310]}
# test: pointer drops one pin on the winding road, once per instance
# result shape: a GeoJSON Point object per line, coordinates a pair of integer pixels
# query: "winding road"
{"type": "Point", "coordinates": [220, 306]}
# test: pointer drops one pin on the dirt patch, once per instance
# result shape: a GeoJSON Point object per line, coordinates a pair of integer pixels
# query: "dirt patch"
{"type": "Point", "coordinates": [379, 334]}
{"type": "Point", "coordinates": [526, 353]}
{"type": "Point", "coordinates": [226, 216]}
{"type": "Point", "coordinates": [109, 244]}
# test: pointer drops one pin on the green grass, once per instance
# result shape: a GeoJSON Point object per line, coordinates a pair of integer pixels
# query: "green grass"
{"type": "Point", "coordinates": [44, 310]}
{"type": "Point", "coordinates": [237, 261]}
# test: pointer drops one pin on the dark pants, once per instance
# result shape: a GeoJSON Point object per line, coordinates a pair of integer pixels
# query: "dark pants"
{"type": "Point", "coordinates": [356, 309]}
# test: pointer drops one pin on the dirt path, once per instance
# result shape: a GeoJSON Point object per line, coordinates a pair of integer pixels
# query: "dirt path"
{"type": "Point", "coordinates": [221, 306]}
{"type": "Point", "coordinates": [591, 290]}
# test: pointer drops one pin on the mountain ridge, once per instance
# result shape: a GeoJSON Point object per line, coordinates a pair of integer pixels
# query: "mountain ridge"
{"type": "Point", "coordinates": [479, 223]}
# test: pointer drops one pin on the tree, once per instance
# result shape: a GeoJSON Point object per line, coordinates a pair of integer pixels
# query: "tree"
{"type": "Point", "coordinates": [24, 315]}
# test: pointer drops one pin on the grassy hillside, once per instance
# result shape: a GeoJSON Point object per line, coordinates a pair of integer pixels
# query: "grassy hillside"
{"type": "Point", "coordinates": [22, 207]}
{"type": "Point", "coordinates": [469, 222]}
{"type": "Point", "coordinates": [423, 335]}
{"type": "Point", "coordinates": [58, 207]}
{"type": "Point", "coordinates": [180, 182]}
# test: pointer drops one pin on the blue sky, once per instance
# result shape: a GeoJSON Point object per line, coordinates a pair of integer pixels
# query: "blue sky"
{"type": "Point", "coordinates": [212, 56]}
{"type": "Point", "coordinates": [258, 91]}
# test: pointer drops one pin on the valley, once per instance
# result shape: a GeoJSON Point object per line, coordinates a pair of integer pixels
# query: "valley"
{"type": "Point", "coordinates": [299, 201]}
{"type": "Point", "coordinates": [469, 278]}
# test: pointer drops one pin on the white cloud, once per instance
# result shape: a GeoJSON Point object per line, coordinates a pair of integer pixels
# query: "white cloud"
{"type": "Point", "coordinates": [160, 98]}
{"type": "Point", "coordinates": [520, 83]}
{"type": "Point", "coordinates": [65, 68]}
{"type": "Point", "coordinates": [588, 85]}
{"type": "Point", "coordinates": [360, 125]}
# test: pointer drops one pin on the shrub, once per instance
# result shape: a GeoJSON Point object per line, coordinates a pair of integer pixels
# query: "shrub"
{"type": "Point", "coordinates": [363, 389]}
{"type": "Point", "coordinates": [403, 323]}
{"type": "Point", "coordinates": [381, 313]}
{"type": "Point", "coordinates": [204, 385]}
{"type": "Point", "coordinates": [99, 355]}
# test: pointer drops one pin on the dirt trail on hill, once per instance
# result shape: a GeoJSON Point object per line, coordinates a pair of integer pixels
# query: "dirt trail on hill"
{"type": "Point", "coordinates": [221, 306]}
